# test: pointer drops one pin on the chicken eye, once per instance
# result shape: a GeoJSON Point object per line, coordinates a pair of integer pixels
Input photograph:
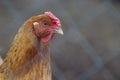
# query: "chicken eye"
{"type": "Point", "coordinates": [45, 23]}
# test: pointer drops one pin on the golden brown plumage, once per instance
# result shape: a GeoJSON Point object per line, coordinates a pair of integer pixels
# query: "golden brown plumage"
{"type": "Point", "coordinates": [28, 57]}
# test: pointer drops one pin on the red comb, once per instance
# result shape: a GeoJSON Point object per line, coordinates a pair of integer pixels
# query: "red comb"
{"type": "Point", "coordinates": [55, 20]}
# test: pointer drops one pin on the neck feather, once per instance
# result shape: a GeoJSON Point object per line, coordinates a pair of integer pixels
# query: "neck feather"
{"type": "Point", "coordinates": [27, 55]}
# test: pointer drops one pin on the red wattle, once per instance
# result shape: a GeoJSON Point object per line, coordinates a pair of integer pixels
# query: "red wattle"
{"type": "Point", "coordinates": [47, 38]}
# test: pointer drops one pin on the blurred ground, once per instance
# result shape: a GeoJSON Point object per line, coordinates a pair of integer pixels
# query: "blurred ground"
{"type": "Point", "coordinates": [90, 48]}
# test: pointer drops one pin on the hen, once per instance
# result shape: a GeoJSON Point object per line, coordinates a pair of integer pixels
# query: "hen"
{"type": "Point", "coordinates": [28, 57]}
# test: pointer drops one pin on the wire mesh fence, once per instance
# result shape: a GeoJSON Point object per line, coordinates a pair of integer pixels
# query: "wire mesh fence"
{"type": "Point", "coordinates": [89, 50]}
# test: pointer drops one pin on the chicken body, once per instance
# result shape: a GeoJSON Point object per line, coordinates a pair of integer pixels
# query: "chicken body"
{"type": "Point", "coordinates": [28, 57]}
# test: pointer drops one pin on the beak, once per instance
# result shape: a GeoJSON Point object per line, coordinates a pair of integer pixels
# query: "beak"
{"type": "Point", "coordinates": [59, 31]}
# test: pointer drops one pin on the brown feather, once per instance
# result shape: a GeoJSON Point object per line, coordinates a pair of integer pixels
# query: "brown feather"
{"type": "Point", "coordinates": [27, 58]}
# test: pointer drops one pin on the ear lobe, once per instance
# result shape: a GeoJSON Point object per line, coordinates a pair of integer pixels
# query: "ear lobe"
{"type": "Point", "coordinates": [36, 28]}
{"type": "Point", "coordinates": [36, 24]}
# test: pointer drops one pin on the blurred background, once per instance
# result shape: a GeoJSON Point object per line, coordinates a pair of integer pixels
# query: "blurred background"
{"type": "Point", "coordinates": [90, 47]}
